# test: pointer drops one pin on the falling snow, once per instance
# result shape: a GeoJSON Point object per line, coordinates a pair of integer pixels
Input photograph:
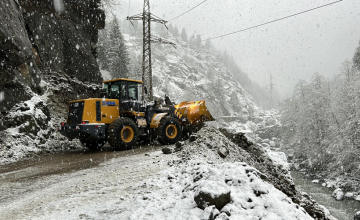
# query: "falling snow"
{"type": "Point", "coordinates": [2, 96]}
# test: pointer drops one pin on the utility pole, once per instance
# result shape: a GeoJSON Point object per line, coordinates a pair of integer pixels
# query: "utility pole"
{"type": "Point", "coordinates": [271, 90]}
{"type": "Point", "coordinates": [147, 18]}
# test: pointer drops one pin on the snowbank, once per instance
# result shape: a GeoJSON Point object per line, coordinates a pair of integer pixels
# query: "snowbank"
{"type": "Point", "coordinates": [172, 195]}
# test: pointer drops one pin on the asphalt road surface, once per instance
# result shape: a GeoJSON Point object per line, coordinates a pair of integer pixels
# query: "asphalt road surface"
{"type": "Point", "coordinates": [34, 189]}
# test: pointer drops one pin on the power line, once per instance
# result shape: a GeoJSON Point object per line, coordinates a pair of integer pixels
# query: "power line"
{"type": "Point", "coordinates": [147, 18]}
{"type": "Point", "coordinates": [279, 19]}
{"type": "Point", "coordinates": [188, 10]}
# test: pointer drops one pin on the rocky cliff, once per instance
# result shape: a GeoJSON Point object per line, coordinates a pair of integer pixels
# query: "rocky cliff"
{"type": "Point", "coordinates": [46, 53]}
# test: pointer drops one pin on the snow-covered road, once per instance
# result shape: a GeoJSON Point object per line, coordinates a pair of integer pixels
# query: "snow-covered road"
{"type": "Point", "coordinates": [206, 178]}
{"type": "Point", "coordinates": [67, 184]}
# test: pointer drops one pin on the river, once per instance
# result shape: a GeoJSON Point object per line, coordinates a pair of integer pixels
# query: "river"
{"type": "Point", "coordinates": [342, 210]}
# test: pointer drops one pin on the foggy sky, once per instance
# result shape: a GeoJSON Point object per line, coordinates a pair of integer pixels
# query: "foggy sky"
{"type": "Point", "coordinates": [292, 49]}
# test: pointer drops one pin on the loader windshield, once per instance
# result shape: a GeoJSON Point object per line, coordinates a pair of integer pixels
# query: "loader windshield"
{"type": "Point", "coordinates": [124, 90]}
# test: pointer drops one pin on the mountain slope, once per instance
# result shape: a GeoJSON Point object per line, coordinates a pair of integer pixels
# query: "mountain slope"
{"type": "Point", "coordinates": [186, 74]}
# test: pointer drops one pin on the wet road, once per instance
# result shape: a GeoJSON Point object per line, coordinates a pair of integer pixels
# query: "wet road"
{"type": "Point", "coordinates": [34, 189]}
{"type": "Point", "coordinates": [65, 162]}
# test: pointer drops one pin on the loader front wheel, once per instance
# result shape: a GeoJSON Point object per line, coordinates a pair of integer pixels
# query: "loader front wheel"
{"type": "Point", "coordinates": [169, 131]}
{"type": "Point", "coordinates": [122, 133]}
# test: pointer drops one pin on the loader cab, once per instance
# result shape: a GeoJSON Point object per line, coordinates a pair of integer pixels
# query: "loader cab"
{"type": "Point", "coordinates": [127, 91]}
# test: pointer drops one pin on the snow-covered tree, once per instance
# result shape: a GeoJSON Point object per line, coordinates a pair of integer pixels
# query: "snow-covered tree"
{"type": "Point", "coordinates": [356, 58]}
{"type": "Point", "coordinates": [192, 42]}
{"type": "Point", "coordinates": [118, 56]}
{"type": "Point", "coordinates": [208, 44]}
{"type": "Point", "coordinates": [184, 35]}
{"type": "Point", "coordinates": [198, 41]}
{"type": "Point", "coordinates": [102, 49]}
{"type": "Point", "coordinates": [175, 32]}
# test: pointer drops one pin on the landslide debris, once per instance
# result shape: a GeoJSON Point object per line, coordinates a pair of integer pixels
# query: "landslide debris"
{"type": "Point", "coordinates": [241, 148]}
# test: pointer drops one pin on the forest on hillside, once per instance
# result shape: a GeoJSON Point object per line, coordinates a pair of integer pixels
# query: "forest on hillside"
{"type": "Point", "coordinates": [321, 121]}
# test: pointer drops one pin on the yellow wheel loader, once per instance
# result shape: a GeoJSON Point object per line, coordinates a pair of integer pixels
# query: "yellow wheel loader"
{"type": "Point", "coordinates": [119, 117]}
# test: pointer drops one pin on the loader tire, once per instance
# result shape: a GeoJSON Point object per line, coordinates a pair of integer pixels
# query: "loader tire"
{"type": "Point", "coordinates": [92, 144]}
{"type": "Point", "coordinates": [123, 134]}
{"type": "Point", "coordinates": [169, 131]}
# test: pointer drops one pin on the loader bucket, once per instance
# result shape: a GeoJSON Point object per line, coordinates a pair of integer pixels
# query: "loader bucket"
{"type": "Point", "coordinates": [195, 112]}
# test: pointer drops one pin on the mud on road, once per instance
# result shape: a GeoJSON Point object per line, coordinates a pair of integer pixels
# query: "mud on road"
{"type": "Point", "coordinates": [34, 189]}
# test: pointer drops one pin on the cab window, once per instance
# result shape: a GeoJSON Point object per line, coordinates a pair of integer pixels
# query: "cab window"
{"type": "Point", "coordinates": [123, 89]}
{"type": "Point", "coordinates": [114, 92]}
{"type": "Point", "coordinates": [133, 93]}
{"type": "Point", "coordinates": [106, 88]}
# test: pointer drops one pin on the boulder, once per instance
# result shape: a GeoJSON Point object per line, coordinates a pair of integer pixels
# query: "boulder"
{"type": "Point", "coordinates": [192, 138]}
{"type": "Point", "coordinates": [357, 216]}
{"type": "Point", "coordinates": [223, 152]}
{"type": "Point", "coordinates": [357, 198]}
{"type": "Point", "coordinates": [349, 195]}
{"type": "Point", "coordinates": [212, 192]}
{"type": "Point", "coordinates": [166, 150]}
{"type": "Point", "coordinates": [338, 194]}
{"type": "Point", "coordinates": [179, 146]}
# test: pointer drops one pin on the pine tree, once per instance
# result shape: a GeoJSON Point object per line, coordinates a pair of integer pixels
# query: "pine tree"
{"type": "Point", "coordinates": [198, 41]}
{"type": "Point", "coordinates": [118, 56]}
{"type": "Point", "coordinates": [184, 35]}
{"type": "Point", "coordinates": [356, 58]}
{"type": "Point", "coordinates": [192, 41]}
{"type": "Point", "coordinates": [102, 48]}
{"type": "Point", "coordinates": [208, 44]}
{"type": "Point", "coordinates": [161, 30]}
{"type": "Point", "coordinates": [176, 31]}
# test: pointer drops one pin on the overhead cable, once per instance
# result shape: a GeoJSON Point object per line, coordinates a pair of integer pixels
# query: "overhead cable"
{"type": "Point", "coordinates": [188, 11]}
{"type": "Point", "coordinates": [279, 19]}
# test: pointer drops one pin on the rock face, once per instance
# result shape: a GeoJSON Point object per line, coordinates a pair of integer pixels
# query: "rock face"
{"type": "Point", "coordinates": [17, 65]}
{"type": "Point", "coordinates": [15, 47]}
{"type": "Point", "coordinates": [65, 41]}
{"type": "Point", "coordinates": [46, 55]}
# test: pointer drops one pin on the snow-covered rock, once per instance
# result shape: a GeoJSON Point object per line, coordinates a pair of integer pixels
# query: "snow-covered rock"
{"type": "Point", "coordinates": [357, 216]}
{"type": "Point", "coordinates": [212, 192]}
{"type": "Point", "coordinates": [357, 198]}
{"type": "Point", "coordinates": [338, 194]}
{"type": "Point", "coordinates": [315, 181]}
{"type": "Point", "coordinates": [272, 144]}
{"type": "Point", "coordinates": [349, 195]}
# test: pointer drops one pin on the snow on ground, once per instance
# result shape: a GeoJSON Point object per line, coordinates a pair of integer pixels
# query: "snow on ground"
{"type": "Point", "coordinates": [158, 186]}
{"type": "Point", "coordinates": [171, 195]}
{"type": "Point", "coordinates": [32, 124]}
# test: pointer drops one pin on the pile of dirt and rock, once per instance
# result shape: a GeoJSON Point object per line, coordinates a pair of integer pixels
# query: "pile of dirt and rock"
{"type": "Point", "coordinates": [30, 127]}
{"type": "Point", "coordinates": [218, 175]}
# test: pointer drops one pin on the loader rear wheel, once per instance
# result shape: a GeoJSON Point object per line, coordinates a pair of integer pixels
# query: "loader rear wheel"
{"type": "Point", "coordinates": [122, 133]}
{"type": "Point", "coordinates": [169, 131]}
{"type": "Point", "coordinates": [92, 144]}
